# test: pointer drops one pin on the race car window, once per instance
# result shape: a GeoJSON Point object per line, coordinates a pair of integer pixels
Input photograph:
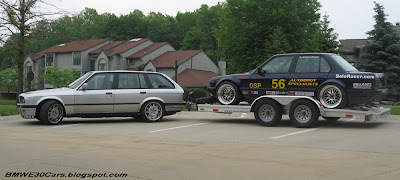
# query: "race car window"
{"type": "Point", "coordinates": [279, 64]}
{"type": "Point", "coordinates": [311, 64]}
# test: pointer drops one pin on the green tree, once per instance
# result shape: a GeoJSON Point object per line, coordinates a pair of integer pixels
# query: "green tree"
{"type": "Point", "coordinates": [9, 79]}
{"type": "Point", "coordinates": [248, 26]}
{"type": "Point", "coordinates": [327, 39]}
{"type": "Point", "coordinates": [201, 35]}
{"type": "Point", "coordinates": [382, 53]}
{"type": "Point", "coordinates": [17, 20]}
{"type": "Point", "coordinates": [60, 78]}
{"type": "Point", "coordinates": [163, 28]}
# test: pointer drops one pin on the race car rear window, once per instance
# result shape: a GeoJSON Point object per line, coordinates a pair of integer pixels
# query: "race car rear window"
{"type": "Point", "coordinates": [344, 64]}
{"type": "Point", "coordinates": [312, 64]}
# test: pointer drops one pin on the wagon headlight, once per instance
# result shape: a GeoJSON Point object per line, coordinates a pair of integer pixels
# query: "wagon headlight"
{"type": "Point", "coordinates": [21, 99]}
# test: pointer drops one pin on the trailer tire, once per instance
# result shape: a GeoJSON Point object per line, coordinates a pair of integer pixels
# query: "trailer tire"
{"type": "Point", "coordinates": [267, 112]}
{"type": "Point", "coordinates": [304, 113]}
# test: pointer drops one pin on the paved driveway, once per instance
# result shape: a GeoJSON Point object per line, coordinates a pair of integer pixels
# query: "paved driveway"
{"type": "Point", "coordinates": [198, 145]}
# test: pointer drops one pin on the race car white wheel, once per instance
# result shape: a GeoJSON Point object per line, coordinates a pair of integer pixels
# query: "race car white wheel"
{"type": "Point", "coordinates": [228, 93]}
{"type": "Point", "coordinates": [332, 96]}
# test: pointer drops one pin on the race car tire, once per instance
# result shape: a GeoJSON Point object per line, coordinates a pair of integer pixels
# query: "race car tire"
{"type": "Point", "coordinates": [332, 96]}
{"type": "Point", "coordinates": [228, 94]}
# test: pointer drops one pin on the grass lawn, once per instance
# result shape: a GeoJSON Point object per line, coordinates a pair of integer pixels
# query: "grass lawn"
{"type": "Point", "coordinates": [394, 110]}
{"type": "Point", "coordinates": [8, 107]}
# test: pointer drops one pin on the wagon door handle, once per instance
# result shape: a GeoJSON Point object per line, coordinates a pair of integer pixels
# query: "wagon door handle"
{"type": "Point", "coordinates": [109, 93]}
{"type": "Point", "coordinates": [142, 92]}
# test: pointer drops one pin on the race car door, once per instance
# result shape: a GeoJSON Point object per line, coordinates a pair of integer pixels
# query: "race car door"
{"type": "Point", "coordinates": [309, 72]}
{"type": "Point", "coordinates": [271, 78]}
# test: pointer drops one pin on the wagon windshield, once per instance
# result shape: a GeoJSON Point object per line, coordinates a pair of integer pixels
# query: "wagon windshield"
{"type": "Point", "coordinates": [344, 64]}
{"type": "Point", "coordinates": [77, 82]}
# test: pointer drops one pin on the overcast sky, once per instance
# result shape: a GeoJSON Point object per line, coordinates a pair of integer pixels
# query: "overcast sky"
{"type": "Point", "coordinates": [351, 19]}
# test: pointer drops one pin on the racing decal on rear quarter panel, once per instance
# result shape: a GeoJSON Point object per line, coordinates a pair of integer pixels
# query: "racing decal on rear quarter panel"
{"type": "Point", "coordinates": [362, 85]}
{"type": "Point", "coordinates": [353, 76]}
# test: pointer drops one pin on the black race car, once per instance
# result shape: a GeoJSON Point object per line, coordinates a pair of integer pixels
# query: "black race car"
{"type": "Point", "coordinates": [328, 77]}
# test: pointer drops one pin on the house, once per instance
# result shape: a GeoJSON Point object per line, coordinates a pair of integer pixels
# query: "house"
{"type": "Point", "coordinates": [190, 59]}
{"type": "Point", "coordinates": [140, 54]}
{"type": "Point", "coordinates": [63, 56]}
{"type": "Point", "coordinates": [352, 47]}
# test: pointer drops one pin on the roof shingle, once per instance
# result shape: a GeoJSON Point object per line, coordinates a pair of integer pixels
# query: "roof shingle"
{"type": "Point", "coordinates": [74, 46]}
{"type": "Point", "coordinates": [147, 50]}
{"type": "Point", "coordinates": [168, 59]}
{"type": "Point", "coordinates": [195, 78]}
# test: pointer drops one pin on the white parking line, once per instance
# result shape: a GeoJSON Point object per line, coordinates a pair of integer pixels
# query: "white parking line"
{"type": "Point", "coordinates": [177, 127]}
{"type": "Point", "coordinates": [65, 126]}
{"type": "Point", "coordinates": [291, 134]}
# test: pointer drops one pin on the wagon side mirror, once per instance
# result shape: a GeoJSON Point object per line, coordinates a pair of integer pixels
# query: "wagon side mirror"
{"type": "Point", "coordinates": [84, 86]}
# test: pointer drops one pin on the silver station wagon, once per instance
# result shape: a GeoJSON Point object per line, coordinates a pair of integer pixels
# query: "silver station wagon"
{"type": "Point", "coordinates": [145, 95]}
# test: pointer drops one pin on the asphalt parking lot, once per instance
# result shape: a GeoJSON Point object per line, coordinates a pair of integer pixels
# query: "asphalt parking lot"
{"type": "Point", "coordinates": [198, 145]}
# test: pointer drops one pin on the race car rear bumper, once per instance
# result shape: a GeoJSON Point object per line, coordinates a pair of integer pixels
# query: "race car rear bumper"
{"type": "Point", "coordinates": [365, 96]}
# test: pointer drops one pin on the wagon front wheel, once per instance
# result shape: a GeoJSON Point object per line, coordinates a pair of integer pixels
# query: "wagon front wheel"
{"type": "Point", "coordinates": [51, 113]}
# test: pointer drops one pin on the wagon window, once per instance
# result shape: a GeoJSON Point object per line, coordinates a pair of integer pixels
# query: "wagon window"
{"type": "Point", "coordinates": [160, 82]}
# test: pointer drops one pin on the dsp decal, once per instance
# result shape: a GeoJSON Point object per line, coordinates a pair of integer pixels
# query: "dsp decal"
{"type": "Point", "coordinates": [303, 82]}
{"type": "Point", "coordinates": [254, 85]}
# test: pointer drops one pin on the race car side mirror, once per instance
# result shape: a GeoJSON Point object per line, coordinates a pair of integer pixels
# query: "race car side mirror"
{"type": "Point", "coordinates": [260, 71]}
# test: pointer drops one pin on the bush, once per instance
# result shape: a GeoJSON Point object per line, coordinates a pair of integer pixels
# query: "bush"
{"type": "Point", "coordinates": [197, 93]}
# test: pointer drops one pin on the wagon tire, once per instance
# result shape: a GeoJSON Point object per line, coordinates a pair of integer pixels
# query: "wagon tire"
{"type": "Point", "coordinates": [51, 113]}
{"type": "Point", "coordinates": [152, 111]}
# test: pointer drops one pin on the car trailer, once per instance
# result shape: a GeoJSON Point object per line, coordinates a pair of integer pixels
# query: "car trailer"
{"type": "Point", "coordinates": [304, 111]}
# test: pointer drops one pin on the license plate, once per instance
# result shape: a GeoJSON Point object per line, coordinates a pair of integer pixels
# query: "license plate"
{"type": "Point", "coordinates": [28, 117]}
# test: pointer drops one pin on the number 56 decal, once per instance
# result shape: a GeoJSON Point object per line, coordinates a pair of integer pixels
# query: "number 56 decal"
{"type": "Point", "coordinates": [278, 83]}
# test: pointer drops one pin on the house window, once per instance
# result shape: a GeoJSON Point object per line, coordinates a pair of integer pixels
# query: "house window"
{"type": "Point", "coordinates": [76, 58]}
{"type": "Point", "coordinates": [102, 65]}
{"type": "Point", "coordinates": [49, 59]}
{"type": "Point", "coordinates": [131, 62]}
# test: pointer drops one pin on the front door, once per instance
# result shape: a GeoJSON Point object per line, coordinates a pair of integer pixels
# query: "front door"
{"type": "Point", "coordinates": [98, 97]}
{"type": "Point", "coordinates": [271, 78]}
